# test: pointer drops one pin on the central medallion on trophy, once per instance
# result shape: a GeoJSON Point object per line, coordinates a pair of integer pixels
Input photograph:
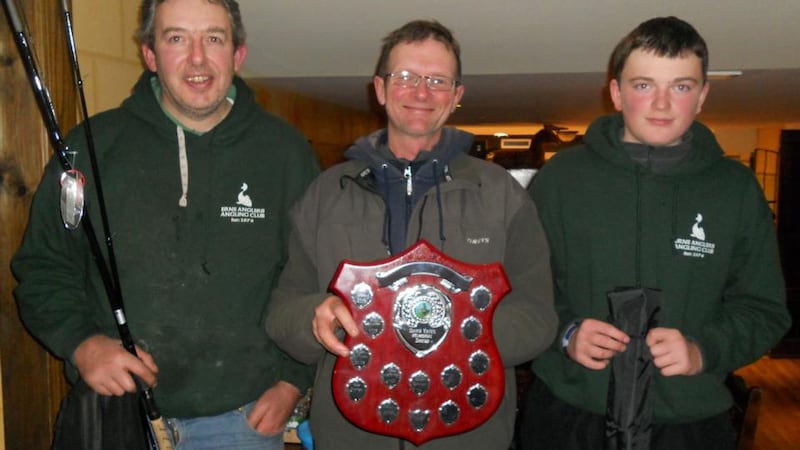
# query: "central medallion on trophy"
{"type": "Point", "coordinates": [422, 318]}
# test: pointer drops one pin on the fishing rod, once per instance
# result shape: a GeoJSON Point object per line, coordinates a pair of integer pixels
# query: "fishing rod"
{"type": "Point", "coordinates": [157, 424]}
{"type": "Point", "coordinates": [72, 203]}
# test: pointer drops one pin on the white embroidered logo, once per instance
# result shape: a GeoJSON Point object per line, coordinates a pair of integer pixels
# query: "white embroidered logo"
{"type": "Point", "coordinates": [243, 198]}
{"type": "Point", "coordinates": [697, 231]}
{"type": "Point", "coordinates": [695, 246]}
{"type": "Point", "coordinates": [243, 211]}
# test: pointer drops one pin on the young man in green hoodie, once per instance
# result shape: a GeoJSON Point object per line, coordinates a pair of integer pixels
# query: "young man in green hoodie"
{"type": "Point", "coordinates": [651, 201]}
{"type": "Point", "coordinates": [198, 181]}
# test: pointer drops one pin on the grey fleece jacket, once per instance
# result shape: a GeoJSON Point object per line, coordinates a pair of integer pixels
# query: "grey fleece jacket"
{"type": "Point", "coordinates": [484, 217]}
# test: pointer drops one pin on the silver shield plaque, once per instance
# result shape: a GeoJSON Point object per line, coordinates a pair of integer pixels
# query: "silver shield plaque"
{"type": "Point", "coordinates": [422, 318]}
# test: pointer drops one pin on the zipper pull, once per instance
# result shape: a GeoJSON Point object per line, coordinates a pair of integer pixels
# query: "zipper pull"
{"type": "Point", "coordinates": [407, 175]}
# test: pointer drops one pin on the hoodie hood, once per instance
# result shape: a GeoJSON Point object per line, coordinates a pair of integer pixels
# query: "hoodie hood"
{"type": "Point", "coordinates": [402, 184]}
{"type": "Point", "coordinates": [374, 150]}
{"type": "Point", "coordinates": [146, 106]}
{"type": "Point", "coordinates": [699, 148]}
{"type": "Point", "coordinates": [429, 167]}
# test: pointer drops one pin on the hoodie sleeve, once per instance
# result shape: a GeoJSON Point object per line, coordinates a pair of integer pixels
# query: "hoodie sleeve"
{"type": "Point", "coordinates": [51, 269]}
{"type": "Point", "coordinates": [545, 193]}
{"type": "Point", "coordinates": [753, 315]}
{"type": "Point", "coordinates": [525, 321]}
{"type": "Point", "coordinates": [292, 369]}
{"type": "Point", "coordinates": [291, 309]}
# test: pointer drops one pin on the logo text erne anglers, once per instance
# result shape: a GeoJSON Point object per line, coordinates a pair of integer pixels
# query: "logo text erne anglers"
{"type": "Point", "coordinates": [695, 245]}
{"type": "Point", "coordinates": [243, 211]}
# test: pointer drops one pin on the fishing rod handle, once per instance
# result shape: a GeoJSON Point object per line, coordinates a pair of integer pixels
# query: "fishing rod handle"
{"type": "Point", "coordinates": [158, 425]}
{"type": "Point", "coordinates": [161, 433]}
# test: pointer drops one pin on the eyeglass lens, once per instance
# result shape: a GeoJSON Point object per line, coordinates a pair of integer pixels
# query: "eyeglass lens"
{"type": "Point", "coordinates": [410, 79]}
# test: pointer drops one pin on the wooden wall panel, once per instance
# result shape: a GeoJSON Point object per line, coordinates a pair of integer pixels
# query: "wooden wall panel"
{"type": "Point", "coordinates": [33, 383]}
{"type": "Point", "coordinates": [330, 128]}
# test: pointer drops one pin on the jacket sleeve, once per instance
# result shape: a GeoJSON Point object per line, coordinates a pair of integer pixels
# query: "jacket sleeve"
{"type": "Point", "coordinates": [753, 315]}
{"type": "Point", "coordinates": [545, 193]}
{"type": "Point", "coordinates": [305, 170]}
{"type": "Point", "coordinates": [291, 309]}
{"type": "Point", "coordinates": [51, 269]}
{"type": "Point", "coordinates": [525, 321]}
{"type": "Point", "coordinates": [292, 371]}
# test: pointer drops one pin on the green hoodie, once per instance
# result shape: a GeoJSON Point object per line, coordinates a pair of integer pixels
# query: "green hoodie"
{"type": "Point", "coordinates": [700, 231]}
{"type": "Point", "coordinates": [196, 279]}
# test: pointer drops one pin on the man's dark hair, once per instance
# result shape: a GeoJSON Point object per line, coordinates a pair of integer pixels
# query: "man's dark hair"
{"type": "Point", "coordinates": [418, 31]}
{"type": "Point", "coordinates": [663, 36]}
{"type": "Point", "coordinates": [147, 14]}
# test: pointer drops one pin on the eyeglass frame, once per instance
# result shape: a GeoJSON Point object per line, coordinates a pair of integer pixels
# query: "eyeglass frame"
{"type": "Point", "coordinates": [417, 78]}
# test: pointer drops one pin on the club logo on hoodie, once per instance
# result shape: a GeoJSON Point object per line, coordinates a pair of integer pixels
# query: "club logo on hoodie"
{"type": "Point", "coordinates": [695, 245]}
{"type": "Point", "coordinates": [243, 211]}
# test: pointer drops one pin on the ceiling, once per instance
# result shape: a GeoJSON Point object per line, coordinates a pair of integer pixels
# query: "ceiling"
{"type": "Point", "coordinates": [530, 61]}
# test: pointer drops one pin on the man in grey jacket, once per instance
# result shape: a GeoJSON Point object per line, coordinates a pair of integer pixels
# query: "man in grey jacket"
{"type": "Point", "coordinates": [411, 181]}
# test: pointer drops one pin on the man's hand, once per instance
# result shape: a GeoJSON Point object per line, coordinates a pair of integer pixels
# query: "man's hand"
{"type": "Point", "coordinates": [594, 343]}
{"type": "Point", "coordinates": [273, 409]}
{"type": "Point", "coordinates": [329, 316]}
{"type": "Point", "coordinates": [107, 367]}
{"type": "Point", "coordinates": [673, 354]}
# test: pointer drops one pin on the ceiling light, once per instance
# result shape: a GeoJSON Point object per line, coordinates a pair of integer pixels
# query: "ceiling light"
{"type": "Point", "coordinates": [500, 134]}
{"type": "Point", "coordinates": [723, 74]}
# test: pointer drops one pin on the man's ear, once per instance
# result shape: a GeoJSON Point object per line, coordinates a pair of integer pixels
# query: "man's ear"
{"type": "Point", "coordinates": [616, 95]}
{"type": "Point", "coordinates": [457, 98]}
{"type": "Point", "coordinates": [149, 57]}
{"type": "Point", "coordinates": [238, 56]}
{"type": "Point", "coordinates": [379, 83]}
{"type": "Point", "coordinates": [703, 95]}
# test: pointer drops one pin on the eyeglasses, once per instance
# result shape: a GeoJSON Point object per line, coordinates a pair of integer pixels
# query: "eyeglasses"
{"type": "Point", "coordinates": [406, 79]}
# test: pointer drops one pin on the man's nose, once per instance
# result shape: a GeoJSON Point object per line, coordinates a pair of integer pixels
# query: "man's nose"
{"type": "Point", "coordinates": [198, 50]}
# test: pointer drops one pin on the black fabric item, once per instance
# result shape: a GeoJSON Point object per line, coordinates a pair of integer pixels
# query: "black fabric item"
{"type": "Point", "coordinates": [552, 424]}
{"type": "Point", "coordinates": [90, 421]}
{"type": "Point", "coordinates": [629, 411]}
{"type": "Point", "coordinates": [546, 422]}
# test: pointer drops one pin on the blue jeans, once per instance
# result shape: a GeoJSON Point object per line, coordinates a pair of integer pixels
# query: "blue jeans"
{"type": "Point", "coordinates": [226, 431]}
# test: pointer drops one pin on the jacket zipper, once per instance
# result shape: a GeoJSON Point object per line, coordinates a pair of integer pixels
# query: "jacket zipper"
{"type": "Point", "coordinates": [409, 190]}
{"type": "Point", "coordinates": [407, 176]}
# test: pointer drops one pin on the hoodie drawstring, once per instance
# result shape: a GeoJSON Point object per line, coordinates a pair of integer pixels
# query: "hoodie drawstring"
{"type": "Point", "coordinates": [183, 162]}
{"type": "Point", "coordinates": [638, 268]}
{"type": "Point", "coordinates": [387, 218]}
{"type": "Point", "coordinates": [436, 183]}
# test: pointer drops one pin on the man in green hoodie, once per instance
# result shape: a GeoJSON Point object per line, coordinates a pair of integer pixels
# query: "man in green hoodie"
{"type": "Point", "coordinates": [650, 201]}
{"type": "Point", "coordinates": [198, 181]}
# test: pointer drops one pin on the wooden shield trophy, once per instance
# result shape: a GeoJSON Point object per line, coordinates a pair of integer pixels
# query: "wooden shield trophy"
{"type": "Point", "coordinates": [424, 364]}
